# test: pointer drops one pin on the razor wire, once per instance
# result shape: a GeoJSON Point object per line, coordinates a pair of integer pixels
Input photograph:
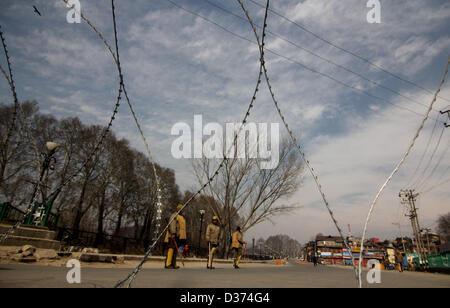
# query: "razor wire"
{"type": "Point", "coordinates": [64, 183]}
{"type": "Point", "coordinates": [18, 109]}
{"type": "Point", "coordinates": [106, 131]}
{"type": "Point", "coordinates": [12, 86]}
{"type": "Point", "coordinates": [97, 146]}
{"type": "Point", "coordinates": [334, 79]}
{"type": "Point", "coordinates": [144, 140]}
{"type": "Point", "coordinates": [133, 275]}
{"type": "Point", "coordinates": [376, 83]}
{"type": "Point", "coordinates": [293, 138]}
{"type": "Point", "coordinates": [399, 165]}
{"type": "Point", "coordinates": [10, 231]}
{"type": "Point", "coordinates": [262, 65]}
{"type": "Point", "coordinates": [116, 58]}
{"type": "Point", "coordinates": [112, 118]}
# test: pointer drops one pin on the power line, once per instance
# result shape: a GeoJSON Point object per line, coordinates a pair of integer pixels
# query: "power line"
{"type": "Point", "coordinates": [303, 28]}
{"type": "Point", "coordinates": [421, 177]}
{"type": "Point", "coordinates": [436, 186]}
{"type": "Point", "coordinates": [296, 45]}
{"type": "Point", "coordinates": [355, 89]}
{"type": "Point", "coordinates": [421, 185]}
{"type": "Point", "coordinates": [423, 154]}
{"type": "Point", "coordinates": [400, 164]}
{"type": "Point", "coordinates": [293, 138]}
{"type": "Point", "coordinates": [133, 274]}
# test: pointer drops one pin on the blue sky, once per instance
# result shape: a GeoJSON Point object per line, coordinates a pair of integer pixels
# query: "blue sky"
{"type": "Point", "coordinates": [176, 65]}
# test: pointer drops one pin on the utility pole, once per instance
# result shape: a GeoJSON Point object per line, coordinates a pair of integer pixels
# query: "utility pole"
{"type": "Point", "coordinates": [409, 198]}
{"type": "Point", "coordinates": [448, 113]}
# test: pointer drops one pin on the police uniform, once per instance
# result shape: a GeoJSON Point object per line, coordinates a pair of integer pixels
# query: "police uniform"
{"type": "Point", "coordinates": [237, 243]}
{"type": "Point", "coordinates": [175, 237]}
{"type": "Point", "coordinates": [213, 236]}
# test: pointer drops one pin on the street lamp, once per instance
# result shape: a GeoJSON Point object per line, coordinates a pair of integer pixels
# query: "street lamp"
{"type": "Point", "coordinates": [202, 213]}
{"type": "Point", "coordinates": [52, 148]}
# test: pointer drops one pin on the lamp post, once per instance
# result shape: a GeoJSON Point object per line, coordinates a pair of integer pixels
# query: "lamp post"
{"type": "Point", "coordinates": [253, 249]}
{"type": "Point", "coordinates": [202, 213]}
{"type": "Point", "coordinates": [401, 234]}
{"type": "Point", "coordinates": [52, 148]}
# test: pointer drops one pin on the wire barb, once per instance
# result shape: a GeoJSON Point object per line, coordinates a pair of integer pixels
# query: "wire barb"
{"type": "Point", "coordinates": [400, 164]}
{"type": "Point", "coordinates": [130, 278]}
{"type": "Point", "coordinates": [294, 140]}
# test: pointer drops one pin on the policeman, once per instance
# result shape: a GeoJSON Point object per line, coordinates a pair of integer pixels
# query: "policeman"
{"type": "Point", "coordinates": [175, 237]}
{"type": "Point", "coordinates": [213, 237]}
{"type": "Point", "coordinates": [237, 243]}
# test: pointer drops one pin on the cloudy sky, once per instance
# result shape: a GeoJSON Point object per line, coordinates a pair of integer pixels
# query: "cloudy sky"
{"type": "Point", "coordinates": [177, 64]}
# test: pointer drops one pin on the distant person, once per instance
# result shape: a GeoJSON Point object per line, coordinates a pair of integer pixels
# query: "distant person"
{"type": "Point", "coordinates": [314, 257]}
{"type": "Point", "coordinates": [399, 260]}
{"type": "Point", "coordinates": [213, 237]}
{"type": "Point", "coordinates": [175, 237]}
{"type": "Point", "coordinates": [237, 243]}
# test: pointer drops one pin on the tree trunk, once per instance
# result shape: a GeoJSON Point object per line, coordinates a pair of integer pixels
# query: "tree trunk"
{"type": "Point", "coordinates": [79, 214]}
{"type": "Point", "coordinates": [101, 211]}
{"type": "Point", "coordinates": [119, 219]}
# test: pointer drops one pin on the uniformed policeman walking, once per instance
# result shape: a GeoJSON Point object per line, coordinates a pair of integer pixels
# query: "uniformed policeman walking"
{"type": "Point", "coordinates": [237, 243]}
{"type": "Point", "coordinates": [175, 237]}
{"type": "Point", "coordinates": [213, 237]}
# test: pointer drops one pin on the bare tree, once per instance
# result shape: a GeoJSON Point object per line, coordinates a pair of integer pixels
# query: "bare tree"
{"type": "Point", "coordinates": [17, 159]}
{"type": "Point", "coordinates": [246, 194]}
{"type": "Point", "coordinates": [443, 228]}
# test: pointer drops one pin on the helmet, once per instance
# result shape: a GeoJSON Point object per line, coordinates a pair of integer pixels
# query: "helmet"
{"type": "Point", "coordinates": [215, 218]}
{"type": "Point", "coordinates": [179, 207]}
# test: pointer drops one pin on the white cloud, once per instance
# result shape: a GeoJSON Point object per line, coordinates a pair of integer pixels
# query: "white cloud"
{"type": "Point", "coordinates": [177, 65]}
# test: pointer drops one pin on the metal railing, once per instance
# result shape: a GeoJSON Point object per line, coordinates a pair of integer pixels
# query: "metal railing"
{"type": "Point", "coordinates": [10, 213]}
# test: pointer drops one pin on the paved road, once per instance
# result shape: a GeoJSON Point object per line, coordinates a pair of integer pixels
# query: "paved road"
{"type": "Point", "coordinates": [224, 276]}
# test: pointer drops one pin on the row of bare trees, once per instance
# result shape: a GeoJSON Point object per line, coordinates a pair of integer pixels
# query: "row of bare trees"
{"type": "Point", "coordinates": [283, 246]}
{"type": "Point", "coordinates": [113, 191]}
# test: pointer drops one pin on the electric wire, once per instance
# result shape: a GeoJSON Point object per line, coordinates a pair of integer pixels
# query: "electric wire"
{"type": "Point", "coordinates": [412, 177]}
{"type": "Point", "coordinates": [289, 59]}
{"type": "Point", "coordinates": [296, 45]}
{"type": "Point", "coordinates": [422, 175]}
{"type": "Point", "coordinates": [293, 138]}
{"type": "Point", "coordinates": [422, 185]}
{"type": "Point", "coordinates": [130, 278]}
{"type": "Point", "coordinates": [398, 167]}
{"type": "Point", "coordinates": [303, 28]}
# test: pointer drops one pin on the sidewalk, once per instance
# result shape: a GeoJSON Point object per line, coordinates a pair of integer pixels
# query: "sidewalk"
{"type": "Point", "coordinates": [103, 260]}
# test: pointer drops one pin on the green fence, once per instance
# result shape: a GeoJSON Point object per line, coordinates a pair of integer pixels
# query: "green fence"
{"type": "Point", "coordinates": [10, 213]}
{"type": "Point", "coordinates": [436, 261]}
{"type": "Point", "coordinates": [13, 214]}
